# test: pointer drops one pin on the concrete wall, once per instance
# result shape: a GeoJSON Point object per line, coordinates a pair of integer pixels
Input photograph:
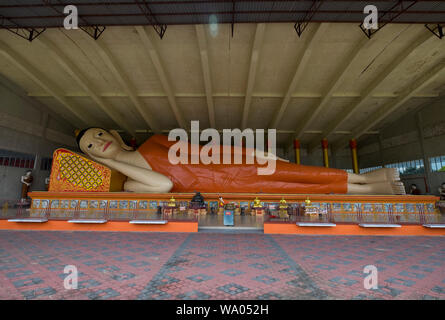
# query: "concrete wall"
{"type": "Point", "coordinates": [400, 141]}
{"type": "Point", "coordinates": [28, 127]}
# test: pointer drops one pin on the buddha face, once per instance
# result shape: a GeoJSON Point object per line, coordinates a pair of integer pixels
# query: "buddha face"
{"type": "Point", "coordinates": [98, 143]}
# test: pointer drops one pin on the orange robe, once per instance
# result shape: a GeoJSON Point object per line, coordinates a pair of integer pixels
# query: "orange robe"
{"type": "Point", "coordinates": [288, 177]}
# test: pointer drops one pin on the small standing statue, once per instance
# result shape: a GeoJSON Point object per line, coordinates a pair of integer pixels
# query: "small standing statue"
{"type": "Point", "coordinates": [171, 207]}
{"type": "Point", "coordinates": [171, 202]}
{"type": "Point", "coordinates": [47, 180]}
{"type": "Point", "coordinates": [283, 208]}
{"type": "Point", "coordinates": [258, 208]}
{"type": "Point", "coordinates": [257, 203]}
{"type": "Point", "coordinates": [221, 204]}
{"type": "Point", "coordinates": [197, 204]}
{"type": "Point", "coordinates": [283, 204]}
{"type": "Point", "coordinates": [310, 209]}
{"type": "Point", "coordinates": [26, 181]}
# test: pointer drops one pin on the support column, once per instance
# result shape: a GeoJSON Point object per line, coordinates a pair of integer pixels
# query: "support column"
{"type": "Point", "coordinates": [324, 146]}
{"type": "Point", "coordinates": [297, 151]}
{"type": "Point", "coordinates": [353, 146]}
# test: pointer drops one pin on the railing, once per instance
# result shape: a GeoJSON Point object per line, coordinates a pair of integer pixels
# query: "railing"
{"type": "Point", "coordinates": [15, 210]}
{"type": "Point", "coordinates": [297, 213]}
{"type": "Point", "coordinates": [294, 213]}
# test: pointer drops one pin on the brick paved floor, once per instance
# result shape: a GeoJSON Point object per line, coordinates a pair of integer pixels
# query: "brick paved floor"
{"type": "Point", "coordinates": [218, 266]}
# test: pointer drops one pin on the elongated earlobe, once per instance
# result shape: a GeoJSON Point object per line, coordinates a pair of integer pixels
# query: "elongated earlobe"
{"type": "Point", "coordinates": [122, 144]}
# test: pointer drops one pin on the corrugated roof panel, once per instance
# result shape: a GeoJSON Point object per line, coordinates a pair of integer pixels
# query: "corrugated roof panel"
{"type": "Point", "coordinates": [118, 12]}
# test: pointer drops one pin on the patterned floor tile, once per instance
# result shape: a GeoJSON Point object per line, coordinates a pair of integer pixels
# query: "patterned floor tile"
{"type": "Point", "coordinates": [113, 265]}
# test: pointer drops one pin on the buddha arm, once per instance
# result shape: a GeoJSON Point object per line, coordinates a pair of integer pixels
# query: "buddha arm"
{"type": "Point", "coordinates": [154, 181]}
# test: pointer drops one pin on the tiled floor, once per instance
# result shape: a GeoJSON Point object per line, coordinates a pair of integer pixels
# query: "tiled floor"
{"type": "Point", "coordinates": [218, 266]}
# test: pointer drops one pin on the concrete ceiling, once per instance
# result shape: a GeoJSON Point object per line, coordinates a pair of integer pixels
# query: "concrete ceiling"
{"type": "Point", "coordinates": [332, 82]}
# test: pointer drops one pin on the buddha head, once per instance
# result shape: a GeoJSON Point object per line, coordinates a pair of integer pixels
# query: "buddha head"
{"type": "Point", "coordinates": [100, 143]}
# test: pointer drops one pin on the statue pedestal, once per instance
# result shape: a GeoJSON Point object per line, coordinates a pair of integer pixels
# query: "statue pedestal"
{"type": "Point", "coordinates": [197, 208]}
{"type": "Point", "coordinates": [283, 213]}
{"type": "Point", "coordinates": [169, 210]}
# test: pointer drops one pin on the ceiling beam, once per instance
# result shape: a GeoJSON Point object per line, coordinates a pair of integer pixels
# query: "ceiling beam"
{"type": "Point", "coordinates": [308, 15]}
{"type": "Point", "coordinates": [333, 86]}
{"type": "Point", "coordinates": [151, 50]}
{"type": "Point", "coordinates": [125, 83]}
{"type": "Point", "coordinates": [81, 79]}
{"type": "Point", "coordinates": [385, 17]}
{"type": "Point", "coordinates": [26, 33]}
{"type": "Point", "coordinates": [392, 106]}
{"type": "Point", "coordinates": [202, 43]}
{"type": "Point", "coordinates": [370, 90]}
{"type": "Point", "coordinates": [93, 31]}
{"type": "Point", "coordinates": [302, 60]}
{"type": "Point", "coordinates": [151, 18]}
{"type": "Point", "coordinates": [254, 58]}
{"type": "Point", "coordinates": [39, 78]}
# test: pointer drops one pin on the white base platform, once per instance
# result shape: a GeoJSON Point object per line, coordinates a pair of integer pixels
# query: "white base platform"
{"type": "Point", "coordinates": [315, 224]}
{"type": "Point", "coordinates": [379, 225]}
{"type": "Point", "coordinates": [148, 221]}
{"type": "Point", "coordinates": [96, 221]}
{"type": "Point", "coordinates": [434, 225]}
{"type": "Point", "coordinates": [32, 220]}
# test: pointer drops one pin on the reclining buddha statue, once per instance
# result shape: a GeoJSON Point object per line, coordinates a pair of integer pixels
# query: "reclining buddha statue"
{"type": "Point", "coordinates": [149, 170]}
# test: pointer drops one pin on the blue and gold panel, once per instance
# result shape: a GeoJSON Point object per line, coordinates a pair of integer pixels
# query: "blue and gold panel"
{"type": "Point", "coordinates": [64, 204]}
{"type": "Point", "coordinates": [123, 204]}
{"type": "Point", "coordinates": [356, 207]}
{"type": "Point", "coordinates": [430, 208]}
{"type": "Point", "coordinates": [36, 203]}
{"type": "Point", "coordinates": [94, 204]}
{"type": "Point", "coordinates": [73, 204]}
{"type": "Point", "coordinates": [55, 204]}
{"type": "Point", "coordinates": [143, 204]}
{"type": "Point", "coordinates": [133, 204]}
{"type": "Point", "coordinates": [44, 204]}
{"type": "Point", "coordinates": [103, 204]}
{"type": "Point", "coordinates": [84, 204]}
{"type": "Point", "coordinates": [378, 207]}
{"type": "Point", "coordinates": [367, 207]}
{"type": "Point", "coordinates": [324, 206]}
{"type": "Point", "coordinates": [153, 205]}
{"type": "Point", "coordinates": [243, 204]}
{"type": "Point", "coordinates": [410, 207]}
{"type": "Point", "coordinates": [315, 204]}
{"type": "Point", "coordinates": [113, 204]}
{"type": "Point", "coordinates": [399, 208]}
{"type": "Point", "coordinates": [336, 207]}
